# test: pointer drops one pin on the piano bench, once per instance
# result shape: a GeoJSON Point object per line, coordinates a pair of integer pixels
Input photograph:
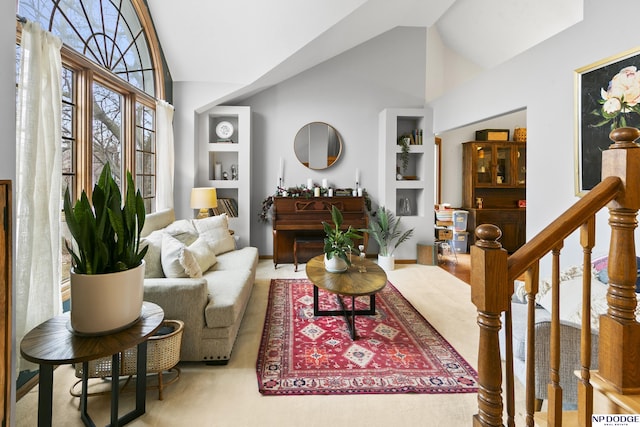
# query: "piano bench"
{"type": "Point", "coordinates": [305, 248]}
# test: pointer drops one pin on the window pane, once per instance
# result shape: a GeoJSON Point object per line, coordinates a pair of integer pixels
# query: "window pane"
{"type": "Point", "coordinates": [149, 164]}
{"type": "Point", "coordinates": [107, 132]}
{"type": "Point", "coordinates": [67, 156]}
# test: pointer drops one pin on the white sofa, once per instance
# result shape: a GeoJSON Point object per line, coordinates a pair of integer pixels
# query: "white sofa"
{"type": "Point", "coordinates": [195, 273]}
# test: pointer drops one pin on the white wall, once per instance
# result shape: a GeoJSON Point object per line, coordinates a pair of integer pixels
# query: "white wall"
{"type": "Point", "coordinates": [542, 81]}
{"type": "Point", "coordinates": [347, 92]}
{"type": "Point", "coordinates": [187, 98]}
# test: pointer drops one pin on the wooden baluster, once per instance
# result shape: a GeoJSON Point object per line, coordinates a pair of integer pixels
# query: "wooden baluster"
{"type": "Point", "coordinates": [531, 288]}
{"type": "Point", "coordinates": [509, 380]}
{"type": "Point", "coordinates": [619, 359]}
{"type": "Point", "coordinates": [491, 294]}
{"type": "Point", "coordinates": [554, 391]}
{"type": "Point", "coordinates": [585, 389]}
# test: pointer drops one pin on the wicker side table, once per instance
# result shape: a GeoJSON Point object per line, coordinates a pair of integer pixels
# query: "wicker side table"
{"type": "Point", "coordinates": [163, 354]}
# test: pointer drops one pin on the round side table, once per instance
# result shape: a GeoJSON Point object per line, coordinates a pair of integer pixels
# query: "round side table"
{"type": "Point", "coordinates": [53, 343]}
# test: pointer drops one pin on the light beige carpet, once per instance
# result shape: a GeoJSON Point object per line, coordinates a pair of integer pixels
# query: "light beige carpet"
{"type": "Point", "coordinates": [228, 395]}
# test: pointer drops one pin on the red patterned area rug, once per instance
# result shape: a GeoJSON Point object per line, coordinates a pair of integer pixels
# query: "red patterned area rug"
{"type": "Point", "coordinates": [396, 351]}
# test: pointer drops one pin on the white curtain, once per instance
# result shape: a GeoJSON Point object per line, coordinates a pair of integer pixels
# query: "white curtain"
{"type": "Point", "coordinates": [164, 155]}
{"type": "Point", "coordinates": [38, 181]}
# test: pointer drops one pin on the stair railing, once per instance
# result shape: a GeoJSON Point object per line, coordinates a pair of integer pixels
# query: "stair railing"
{"type": "Point", "coordinates": [493, 273]}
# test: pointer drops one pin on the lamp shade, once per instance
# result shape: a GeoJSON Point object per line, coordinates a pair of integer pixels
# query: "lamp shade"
{"type": "Point", "coordinates": [204, 198]}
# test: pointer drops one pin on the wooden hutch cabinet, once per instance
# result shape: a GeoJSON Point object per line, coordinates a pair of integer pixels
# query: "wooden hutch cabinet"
{"type": "Point", "coordinates": [494, 181]}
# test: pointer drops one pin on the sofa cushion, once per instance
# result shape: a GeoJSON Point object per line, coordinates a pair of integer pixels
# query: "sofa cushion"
{"type": "Point", "coordinates": [228, 292]}
{"type": "Point", "coordinates": [216, 230]}
{"type": "Point", "coordinates": [177, 260]}
{"type": "Point", "coordinates": [245, 258]}
{"type": "Point", "coordinates": [153, 262]}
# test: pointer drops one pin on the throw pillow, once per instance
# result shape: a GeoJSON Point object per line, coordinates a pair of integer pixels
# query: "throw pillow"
{"type": "Point", "coordinates": [216, 230]}
{"type": "Point", "coordinates": [598, 305]}
{"type": "Point", "coordinates": [601, 269]}
{"type": "Point", "coordinates": [152, 260]}
{"type": "Point", "coordinates": [182, 230]}
{"type": "Point", "coordinates": [544, 286]}
{"type": "Point", "coordinates": [177, 260]}
{"type": "Point", "coordinates": [203, 253]}
{"type": "Point", "coordinates": [571, 300]}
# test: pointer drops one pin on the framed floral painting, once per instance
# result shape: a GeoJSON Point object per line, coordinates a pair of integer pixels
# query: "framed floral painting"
{"type": "Point", "coordinates": [608, 97]}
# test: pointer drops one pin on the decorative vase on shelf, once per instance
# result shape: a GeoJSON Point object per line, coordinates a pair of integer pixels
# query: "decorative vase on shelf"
{"type": "Point", "coordinates": [335, 264]}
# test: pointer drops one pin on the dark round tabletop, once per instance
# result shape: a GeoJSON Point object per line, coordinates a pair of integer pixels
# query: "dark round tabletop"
{"type": "Point", "coordinates": [52, 342]}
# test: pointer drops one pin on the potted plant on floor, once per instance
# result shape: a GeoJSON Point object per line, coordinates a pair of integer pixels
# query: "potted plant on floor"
{"type": "Point", "coordinates": [338, 243]}
{"type": "Point", "coordinates": [384, 227]}
{"type": "Point", "coordinates": [107, 274]}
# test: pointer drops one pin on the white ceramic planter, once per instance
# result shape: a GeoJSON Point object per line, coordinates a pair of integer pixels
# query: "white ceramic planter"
{"type": "Point", "coordinates": [387, 263]}
{"type": "Point", "coordinates": [105, 303]}
{"type": "Point", "coordinates": [335, 264]}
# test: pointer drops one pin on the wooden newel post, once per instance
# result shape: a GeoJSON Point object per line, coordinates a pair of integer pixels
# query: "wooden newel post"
{"type": "Point", "coordinates": [619, 358]}
{"type": "Point", "coordinates": [491, 294]}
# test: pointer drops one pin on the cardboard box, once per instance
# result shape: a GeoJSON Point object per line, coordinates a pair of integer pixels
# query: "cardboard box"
{"type": "Point", "coordinates": [492, 135]}
{"type": "Point", "coordinates": [427, 254]}
{"type": "Point", "coordinates": [444, 234]}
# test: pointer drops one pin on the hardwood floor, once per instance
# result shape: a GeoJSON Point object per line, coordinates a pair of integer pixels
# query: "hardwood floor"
{"type": "Point", "coordinates": [461, 269]}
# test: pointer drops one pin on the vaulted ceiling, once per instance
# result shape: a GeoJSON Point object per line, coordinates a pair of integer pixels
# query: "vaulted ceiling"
{"type": "Point", "coordinates": [254, 43]}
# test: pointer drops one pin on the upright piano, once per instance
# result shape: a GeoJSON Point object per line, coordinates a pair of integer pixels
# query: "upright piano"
{"type": "Point", "coordinates": [300, 219]}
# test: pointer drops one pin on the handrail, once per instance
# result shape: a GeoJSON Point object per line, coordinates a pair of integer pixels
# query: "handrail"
{"type": "Point", "coordinates": [563, 226]}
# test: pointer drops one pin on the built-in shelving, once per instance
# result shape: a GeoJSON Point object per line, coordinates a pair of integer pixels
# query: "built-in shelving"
{"type": "Point", "coordinates": [407, 191]}
{"type": "Point", "coordinates": [225, 162]}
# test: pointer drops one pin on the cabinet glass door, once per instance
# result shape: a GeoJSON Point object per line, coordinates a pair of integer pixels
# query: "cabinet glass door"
{"type": "Point", "coordinates": [483, 164]}
{"type": "Point", "coordinates": [522, 166]}
{"type": "Point", "coordinates": [503, 166]}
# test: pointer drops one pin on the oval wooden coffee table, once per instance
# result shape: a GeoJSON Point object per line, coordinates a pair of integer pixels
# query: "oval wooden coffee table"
{"type": "Point", "coordinates": [363, 278]}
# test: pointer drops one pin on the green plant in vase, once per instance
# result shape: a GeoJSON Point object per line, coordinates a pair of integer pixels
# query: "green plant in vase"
{"type": "Point", "coordinates": [107, 274]}
{"type": "Point", "coordinates": [384, 227]}
{"type": "Point", "coordinates": [338, 243]}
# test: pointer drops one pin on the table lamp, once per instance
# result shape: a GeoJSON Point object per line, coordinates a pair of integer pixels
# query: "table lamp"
{"type": "Point", "coordinates": [204, 198]}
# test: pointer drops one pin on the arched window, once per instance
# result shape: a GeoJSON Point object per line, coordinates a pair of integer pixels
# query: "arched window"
{"type": "Point", "coordinates": [112, 76]}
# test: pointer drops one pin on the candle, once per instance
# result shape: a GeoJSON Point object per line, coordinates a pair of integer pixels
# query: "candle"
{"type": "Point", "coordinates": [281, 172]}
{"type": "Point", "coordinates": [331, 192]}
{"type": "Point", "coordinates": [324, 182]}
{"type": "Point", "coordinates": [357, 175]}
{"type": "Point", "coordinates": [316, 192]}
{"type": "Point", "coordinates": [218, 171]}
{"type": "Point", "coordinates": [359, 191]}
{"type": "Point", "coordinates": [309, 183]}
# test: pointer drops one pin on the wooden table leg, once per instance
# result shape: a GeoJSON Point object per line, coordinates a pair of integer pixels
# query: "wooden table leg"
{"type": "Point", "coordinates": [45, 395]}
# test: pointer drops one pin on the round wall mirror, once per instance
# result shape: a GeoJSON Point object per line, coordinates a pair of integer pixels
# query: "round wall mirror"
{"type": "Point", "coordinates": [317, 145]}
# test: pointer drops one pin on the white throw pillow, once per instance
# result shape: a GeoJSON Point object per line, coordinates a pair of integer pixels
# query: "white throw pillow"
{"type": "Point", "coordinates": [203, 253]}
{"type": "Point", "coordinates": [571, 300]}
{"type": "Point", "coordinates": [152, 259]}
{"type": "Point", "coordinates": [183, 230]}
{"type": "Point", "coordinates": [177, 260]}
{"type": "Point", "coordinates": [215, 229]}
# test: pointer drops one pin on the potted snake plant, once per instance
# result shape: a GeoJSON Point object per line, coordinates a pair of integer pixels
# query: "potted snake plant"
{"type": "Point", "coordinates": [338, 243]}
{"type": "Point", "coordinates": [107, 273]}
